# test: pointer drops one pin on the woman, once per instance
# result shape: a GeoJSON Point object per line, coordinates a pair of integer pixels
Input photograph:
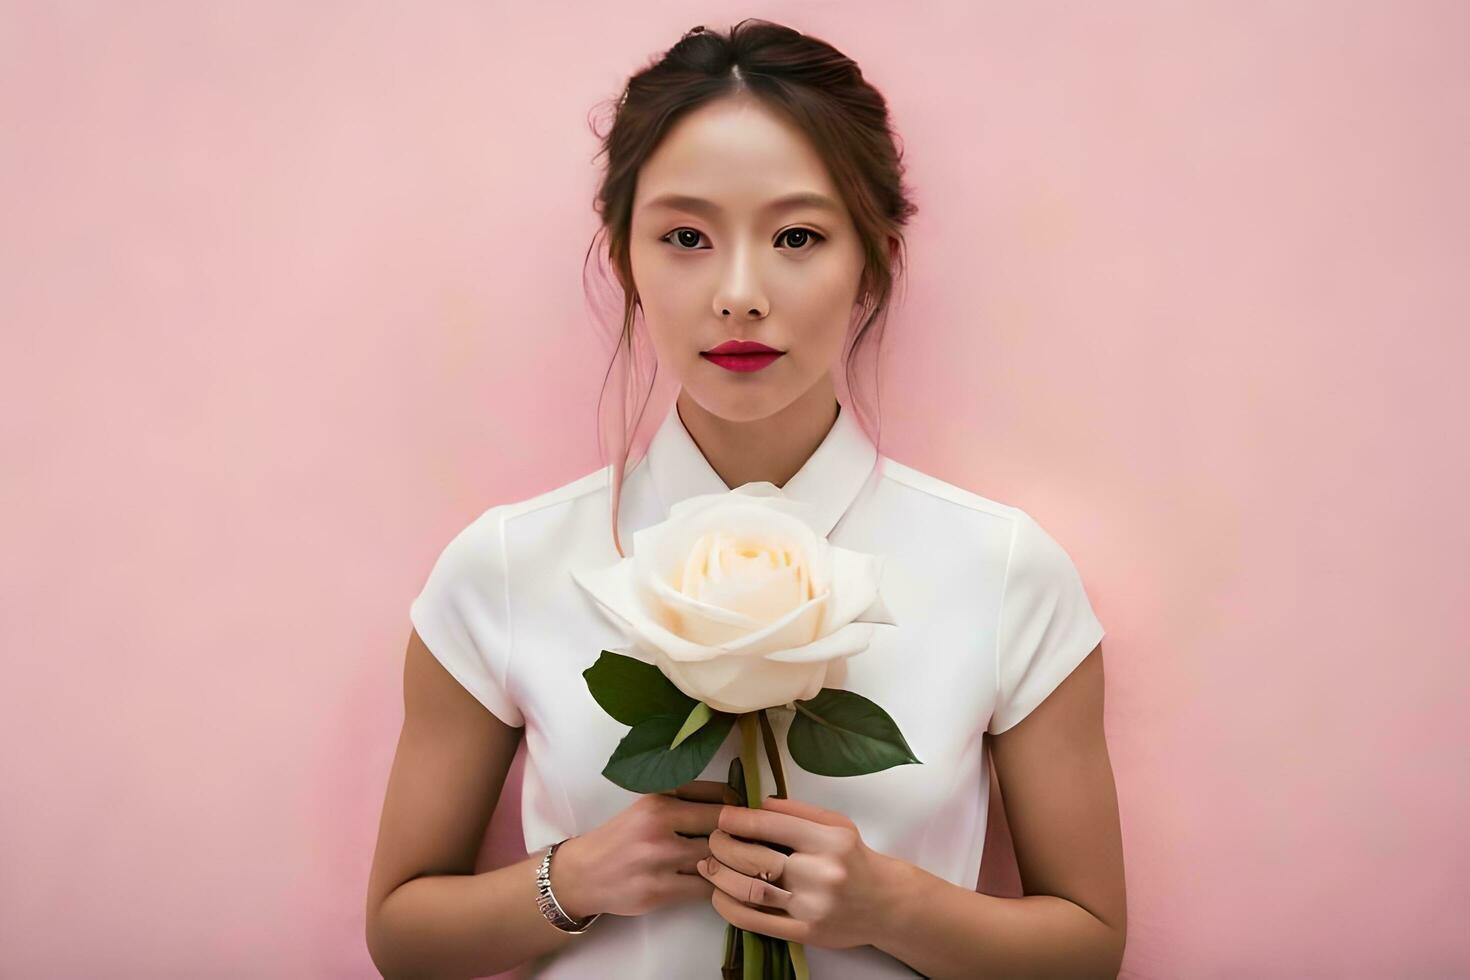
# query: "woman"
{"type": "Point", "coordinates": [752, 201]}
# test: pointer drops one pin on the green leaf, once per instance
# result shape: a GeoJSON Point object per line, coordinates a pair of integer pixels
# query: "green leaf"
{"type": "Point", "coordinates": [839, 733]}
{"type": "Point", "coordinates": [693, 723]}
{"type": "Point", "coordinates": [633, 691]}
{"type": "Point", "coordinates": [645, 762]}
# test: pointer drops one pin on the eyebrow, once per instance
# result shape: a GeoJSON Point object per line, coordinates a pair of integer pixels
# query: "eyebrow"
{"type": "Point", "coordinates": [698, 205]}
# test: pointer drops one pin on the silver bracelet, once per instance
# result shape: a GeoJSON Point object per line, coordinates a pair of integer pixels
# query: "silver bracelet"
{"type": "Point", "coordinates": [547, 902]}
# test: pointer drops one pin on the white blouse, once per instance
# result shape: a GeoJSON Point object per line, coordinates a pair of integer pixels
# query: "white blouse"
{"type": "Point", "coordinates": [992, 617]}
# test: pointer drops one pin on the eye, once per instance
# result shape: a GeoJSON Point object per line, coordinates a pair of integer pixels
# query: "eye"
{"type": "Point", "coordinates": [685, 235]}
{"type": "Point", "coordinates": [797, 237]}
{"type": "Point", "coordinates": [801, 236]}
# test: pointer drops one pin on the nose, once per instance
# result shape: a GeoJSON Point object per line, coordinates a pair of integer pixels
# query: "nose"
{"type": "Point", "coordinates": [740, 289]}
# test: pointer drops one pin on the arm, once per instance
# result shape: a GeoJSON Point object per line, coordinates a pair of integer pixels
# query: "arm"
{"type": "Point", "coordinates": [428, 913]}
{"type": "Point", "coordinates": [1062, 808]}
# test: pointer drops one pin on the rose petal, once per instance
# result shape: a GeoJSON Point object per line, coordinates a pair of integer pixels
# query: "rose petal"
{"type": "Point", "coordinates": [689, 606]}
{"type": "Point", "coordinates": [767, 493]}
{"type": "Point", "coordinates": [671, 545]}
{"type": "Point", "coordinates": [877, 613]}
{"type": "Point", "coordinates": [855, 577]}
{"type": "Point", "coordinates": [660, 552]}
{"type": "Point", "coordinates": [797, 627]}
{"type": "Point", "coordinates": [662, 548]}
{"type": "Point", "coordinates": [728, 683]}
{"type": "Point", "coordinates": [701, 679]}
{"type": "Point", "coordinates": [851, 639]}
{"type": "Point", "coordinates": [640, 595]}
{"type": "Point", "coordinates": [614, 592]}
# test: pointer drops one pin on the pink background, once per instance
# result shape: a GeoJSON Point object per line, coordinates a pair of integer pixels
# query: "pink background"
{"type": "Point", "coordinates": [282, 286]}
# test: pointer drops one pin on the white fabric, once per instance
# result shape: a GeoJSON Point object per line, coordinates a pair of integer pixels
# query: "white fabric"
{"type": "Point", "coordinates": [992, 613]}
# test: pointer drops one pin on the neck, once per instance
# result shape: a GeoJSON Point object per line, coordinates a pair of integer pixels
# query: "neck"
{"type": "Point", "coordinates": [770, 449]}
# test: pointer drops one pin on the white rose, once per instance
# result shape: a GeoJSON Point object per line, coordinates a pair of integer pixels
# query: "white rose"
{"type": "Point", "coordinates": [741, 603]}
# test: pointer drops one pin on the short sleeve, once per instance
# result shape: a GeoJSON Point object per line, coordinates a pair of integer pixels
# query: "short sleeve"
{"type": "Point", "coordinates": [462, 614]}
{"type": "Point", "coordinates": [1046, 626]}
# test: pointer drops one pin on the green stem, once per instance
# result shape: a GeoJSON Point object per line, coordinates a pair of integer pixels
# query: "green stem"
{"type": "Point", "coordinates": [798, 960]}
{"type": "Point", "coordinates": [773, 753]}
{"type": "Point", "coordinates": [795, 957]}
{"type": "Point", "coordinates": [754, 959]}
{"type": "Point", "coordinates": [750, 760]}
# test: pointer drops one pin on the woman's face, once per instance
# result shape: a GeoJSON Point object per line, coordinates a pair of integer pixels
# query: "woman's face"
{"type": "Point", "coordinates": [743, 265]}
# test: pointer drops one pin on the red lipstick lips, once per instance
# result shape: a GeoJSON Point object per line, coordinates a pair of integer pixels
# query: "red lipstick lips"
{"type": "Point", "coordinates": [742, 355]}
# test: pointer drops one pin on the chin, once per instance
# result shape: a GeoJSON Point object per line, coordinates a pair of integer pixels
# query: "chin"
{"type": "Point", "coordinates": [737, 399]}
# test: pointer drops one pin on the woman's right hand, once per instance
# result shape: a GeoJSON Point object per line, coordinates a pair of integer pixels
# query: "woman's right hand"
{"type": "Point", "coordinates": [645, 856]}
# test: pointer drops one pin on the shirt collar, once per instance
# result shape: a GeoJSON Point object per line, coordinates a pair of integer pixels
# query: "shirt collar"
{"type": "Point", "coordinates": [830, 479]}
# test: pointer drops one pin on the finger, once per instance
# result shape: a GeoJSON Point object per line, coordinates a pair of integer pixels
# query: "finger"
{"type": "Point", "coordinates": [691, 818]}
{"type": "Point", "coordinates": [809, 811]}
{"type": "Point", "coordinates": [681, 887]}
{"type": "Point", "coordinates": [703, 790]}
{"type": "Point", "coordinates": [692, 850]}
{"type": "Point", "coordinates": [745, 857]}
{"type": "Point", "coordinates": [744, 888]}
{"type": "Point", "coordinates": [798, 833]}
{"type": "Point", "coordinates": [754, 920]}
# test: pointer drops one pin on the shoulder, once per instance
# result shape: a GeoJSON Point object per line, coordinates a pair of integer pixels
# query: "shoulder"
{"type": "Point", "coordinates": [585, 489]}
{"type": "Point", "coordinates": [909, 486]}
{"type": "Point", "coordinates": [481, 548]}
{"type": "Point", "coordinates": [491, 523]}
{"type": "Point", "coordinates": [1008, 532]}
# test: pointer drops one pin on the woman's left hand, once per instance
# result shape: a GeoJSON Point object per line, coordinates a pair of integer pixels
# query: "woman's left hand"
{"type": "Point", "coordinates": [832, 890]}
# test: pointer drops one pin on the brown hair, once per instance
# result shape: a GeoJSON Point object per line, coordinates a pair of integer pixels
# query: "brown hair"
{"type": "Point", "coordinates": [809, 82]}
